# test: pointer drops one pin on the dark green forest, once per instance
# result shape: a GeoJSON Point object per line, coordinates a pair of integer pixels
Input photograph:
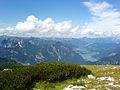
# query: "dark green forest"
{"type": "Point", "coordinates": [23, 77]}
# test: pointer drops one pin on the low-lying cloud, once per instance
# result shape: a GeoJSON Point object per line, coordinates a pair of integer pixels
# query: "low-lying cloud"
{"type": "Point", "coordinates": [46, 28]}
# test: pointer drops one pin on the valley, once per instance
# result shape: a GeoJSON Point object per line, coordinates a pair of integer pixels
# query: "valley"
{"type": "Point", "coordinates": [87, 55]}
{"type": "Point", "coordinates": [29, 50]}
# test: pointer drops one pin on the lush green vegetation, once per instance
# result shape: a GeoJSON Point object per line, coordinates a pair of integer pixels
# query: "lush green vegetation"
{"type": "Point", "coordinates": [43, 85]}
{"type": "Point", "coordinates": [23, 77]}
{"type": "Point", "coordinates": [99, 71]}
{"type": "Point", "coordinates": [5, 63]}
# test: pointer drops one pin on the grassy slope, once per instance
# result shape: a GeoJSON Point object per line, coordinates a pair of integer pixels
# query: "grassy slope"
{"type": "Point", "coordinates": [98, 71]}
{"type": "Point", "coordinates": [102, 71]}
{"type": "Point", "coordinates": [22, 77]}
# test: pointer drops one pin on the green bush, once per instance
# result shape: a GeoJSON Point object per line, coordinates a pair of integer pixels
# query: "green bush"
{"type": "Point", "coordinates": [22, 77]}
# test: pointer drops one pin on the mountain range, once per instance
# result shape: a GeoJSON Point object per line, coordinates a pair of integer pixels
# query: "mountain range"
{"type": "Point", "coordinates": [29, 50]}
{"type": "Point", "coordinates": [34, 50]}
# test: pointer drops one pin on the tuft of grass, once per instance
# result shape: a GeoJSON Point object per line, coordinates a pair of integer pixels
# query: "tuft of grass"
{"type": "Point", "coordinates": [45, 85]}
{"type": "Point", "coordinates": [58, 85]}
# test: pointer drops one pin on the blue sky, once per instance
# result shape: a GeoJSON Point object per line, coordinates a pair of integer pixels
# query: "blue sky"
{"type": "Point", "coordinates": [13, 11]}
{"type": "Point", "coordinates": [80, 12]}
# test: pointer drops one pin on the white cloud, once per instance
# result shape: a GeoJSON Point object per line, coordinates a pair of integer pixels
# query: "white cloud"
{"type": "Point", "coordinates": [32, 26]}
{"type": "Point", "coordinates": [105, 18]}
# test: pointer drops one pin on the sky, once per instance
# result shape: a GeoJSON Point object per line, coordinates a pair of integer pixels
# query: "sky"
{"type": "Point", "coordinates": [60, 18]}
{"type": "Point", "coordinates": [13, 11]}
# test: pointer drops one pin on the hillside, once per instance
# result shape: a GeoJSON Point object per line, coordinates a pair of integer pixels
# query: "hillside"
{"type": "Point", "coordinates": [30, 50]}
{"type": "Point", "coordinates": [114, 60]}
{"type": "Point", "coordinates": [33, 50]}
{"type": "Point", "coordinates": [92, 49]}
{"type": "Point", "coordinates": [103, 78]}
{"type": "Point", "coordinates": [5, 63]}
{"type": "Point", "coordinates": [23, 77]}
